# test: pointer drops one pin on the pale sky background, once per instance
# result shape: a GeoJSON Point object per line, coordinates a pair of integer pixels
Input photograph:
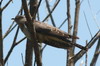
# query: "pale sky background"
{"type": "Point", "coordinates": [53, 56]}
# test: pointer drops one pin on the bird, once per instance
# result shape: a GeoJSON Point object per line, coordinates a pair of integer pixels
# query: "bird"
{"type": "Point", "coordinates": [48, 34]}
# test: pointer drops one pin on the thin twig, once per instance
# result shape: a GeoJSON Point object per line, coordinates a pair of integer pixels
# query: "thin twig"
{"type": "Point", "coordinates": [11, 28]}
{"type": "Point", "coordinates": [94, 17]}
{"type": "Point", "coordinates": [48, 7]}
{"type": "Point", "coordinates": [20, 41]}
{"type": "Point", "coordinates": [52, 10]}
{"type": "Point", "coordinates": [87, 25]}
{"type": "Point", "coordinates": [8, 31]}
{"type": "Point", "coordinates": [63, 23]}
{"type": "Point", "coordinates": [22, 59]}
{"type": "Point", "coordinates": [12, 47]}
{"type": "Point", "coordinates": [6, 5]}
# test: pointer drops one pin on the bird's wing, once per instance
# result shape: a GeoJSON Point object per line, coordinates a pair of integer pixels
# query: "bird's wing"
{"type": "Point", "coordinates": [52, 31]}
{"type": "Point", "coordinates": [56, 42]}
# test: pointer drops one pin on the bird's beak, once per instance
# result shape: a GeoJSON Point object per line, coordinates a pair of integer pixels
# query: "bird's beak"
{"type": "Point", "coordinates": [12, 18]}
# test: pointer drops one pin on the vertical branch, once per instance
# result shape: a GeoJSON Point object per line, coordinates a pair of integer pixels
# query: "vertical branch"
{"type": "Point", "coordinates": [33, 8]}
{"type": "Point", "coordinates": [86, 57]}
{"type": "Point", "coordinates": [1, 41]}
{"type": "Point", "coordinates": [29, 44]}
{"type": "Point", "coordinates": [29, 53]}
{"type": "Point", "coordinates": [32, 42]}
{"type": "Point", "coordinates": [22, 59]}
{"type": "Point", "coordinates": [69, 16]}
{"type": "Point", "coordinates": [75, 29]}
{"type": "Point", "coordinates": [76, 19]}
{"type": "Point", "coordinates": [69, 31]}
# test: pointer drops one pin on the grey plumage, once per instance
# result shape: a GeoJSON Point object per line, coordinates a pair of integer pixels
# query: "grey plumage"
{"type": "Point", "coordinates": [48, 34]}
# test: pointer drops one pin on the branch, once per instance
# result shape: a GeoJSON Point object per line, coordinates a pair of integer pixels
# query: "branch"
{"type": "Point", "coordinates": [75, 30]}
{"type": "Point", "coordinates": [20, 41]}
{"type": "Point", "coordinates": [1, 40]}
{"type": "Point", "coordinates": [48, 7]}
{"type": "Point", "coordinates": [6, 5]}
{"type": "Point", "coordinates": [89, 45]}
{"type": "Point", "coordinates": [52, 10]}
{"type": "Point", "coordinates": [9, 30]}
{"type": "Point", "coordinates": [63, 23]}
{"type": "Point", "coordinates": [22, 59]}
{"type": "Point", "coordinates": [31, 29]}
{"type": "Point", "coordinates": [12, 47]}
{"type": "Point", "coordinates": [87, 24]}
{"type": "Point", "coordinates": [96, 55]}
{"type": "Point", "coordinates": [69, 32]}
{"type": "Point", "coordinates": [27, 13]}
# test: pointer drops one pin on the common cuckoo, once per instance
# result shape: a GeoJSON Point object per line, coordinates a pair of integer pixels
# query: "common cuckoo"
{"type": "Point", "coordinates": [48, 34]}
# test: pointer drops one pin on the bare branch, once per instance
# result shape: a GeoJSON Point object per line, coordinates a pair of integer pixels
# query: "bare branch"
{"type": "Point", "coordinates": [48, 7]}
{"type": "Point", "coordinates": [86, 57]}
{"type": "Point", "coordinates": [22, 59]}
{"type": "Point", "coordinates": [20, 41]}
{"type": "Point", "coordinates": [69, 52]}
{"type": "Point", "coordinates": [6, 5]}
{"type": "Point", "coordinates": [31, 29]}
{"type": "Point", "coordinates": [89, 45]}
{"type": "Point", "coordinates": [1, 40]}
{"type": "Point", "coordinates": [94, 17]}
{"type": "Point", "coordinates": [69, 16]}
{"type": "Point", "coordinates": [9, 30]}
{"type": "Point", "coordinates": [87, 25]}
{"type": "Point", "coordinates": [76, 18]}
{"type": "Point", "coordinates": [96, 55]}
{"type": "Point", "coordinates": [12, 47]}
{"type": "Point", "coordinates": [27, 13]}
{"type": "Point", "coordinates": [52, 10]}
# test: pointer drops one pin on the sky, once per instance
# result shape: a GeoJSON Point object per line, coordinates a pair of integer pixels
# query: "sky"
{"type": "Point", "coordinates": [53, 56]}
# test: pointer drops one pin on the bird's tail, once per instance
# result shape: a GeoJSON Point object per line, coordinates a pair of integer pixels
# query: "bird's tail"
{"type": "Point", "coordinates": [79, 46]}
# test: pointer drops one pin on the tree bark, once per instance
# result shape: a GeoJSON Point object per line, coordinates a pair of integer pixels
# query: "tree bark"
{"type": "Point", "coordinates": [1, 40]}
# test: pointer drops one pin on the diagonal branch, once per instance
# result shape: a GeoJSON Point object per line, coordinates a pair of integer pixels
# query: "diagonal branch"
{"type": "Point", "coordinates": [48, 7]}
{"type": "Point", "coordinates": [52, 10]}
{"type": "Point", "coordinates": [6, 5]}
{"type": "Point", "coordinates": [96, 55]}
{"type": "Point", "coordinates": [9, 30]}
{"type": "Point", "coordinates": [12, 47]}
{"type": "Point", "coordinates": [89, 45]}
{"type": "Point", "coordinates": [87, 24]}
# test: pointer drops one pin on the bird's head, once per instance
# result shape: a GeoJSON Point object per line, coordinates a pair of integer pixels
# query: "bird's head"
{"type": "Point", "coordinates": [20, 19]}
